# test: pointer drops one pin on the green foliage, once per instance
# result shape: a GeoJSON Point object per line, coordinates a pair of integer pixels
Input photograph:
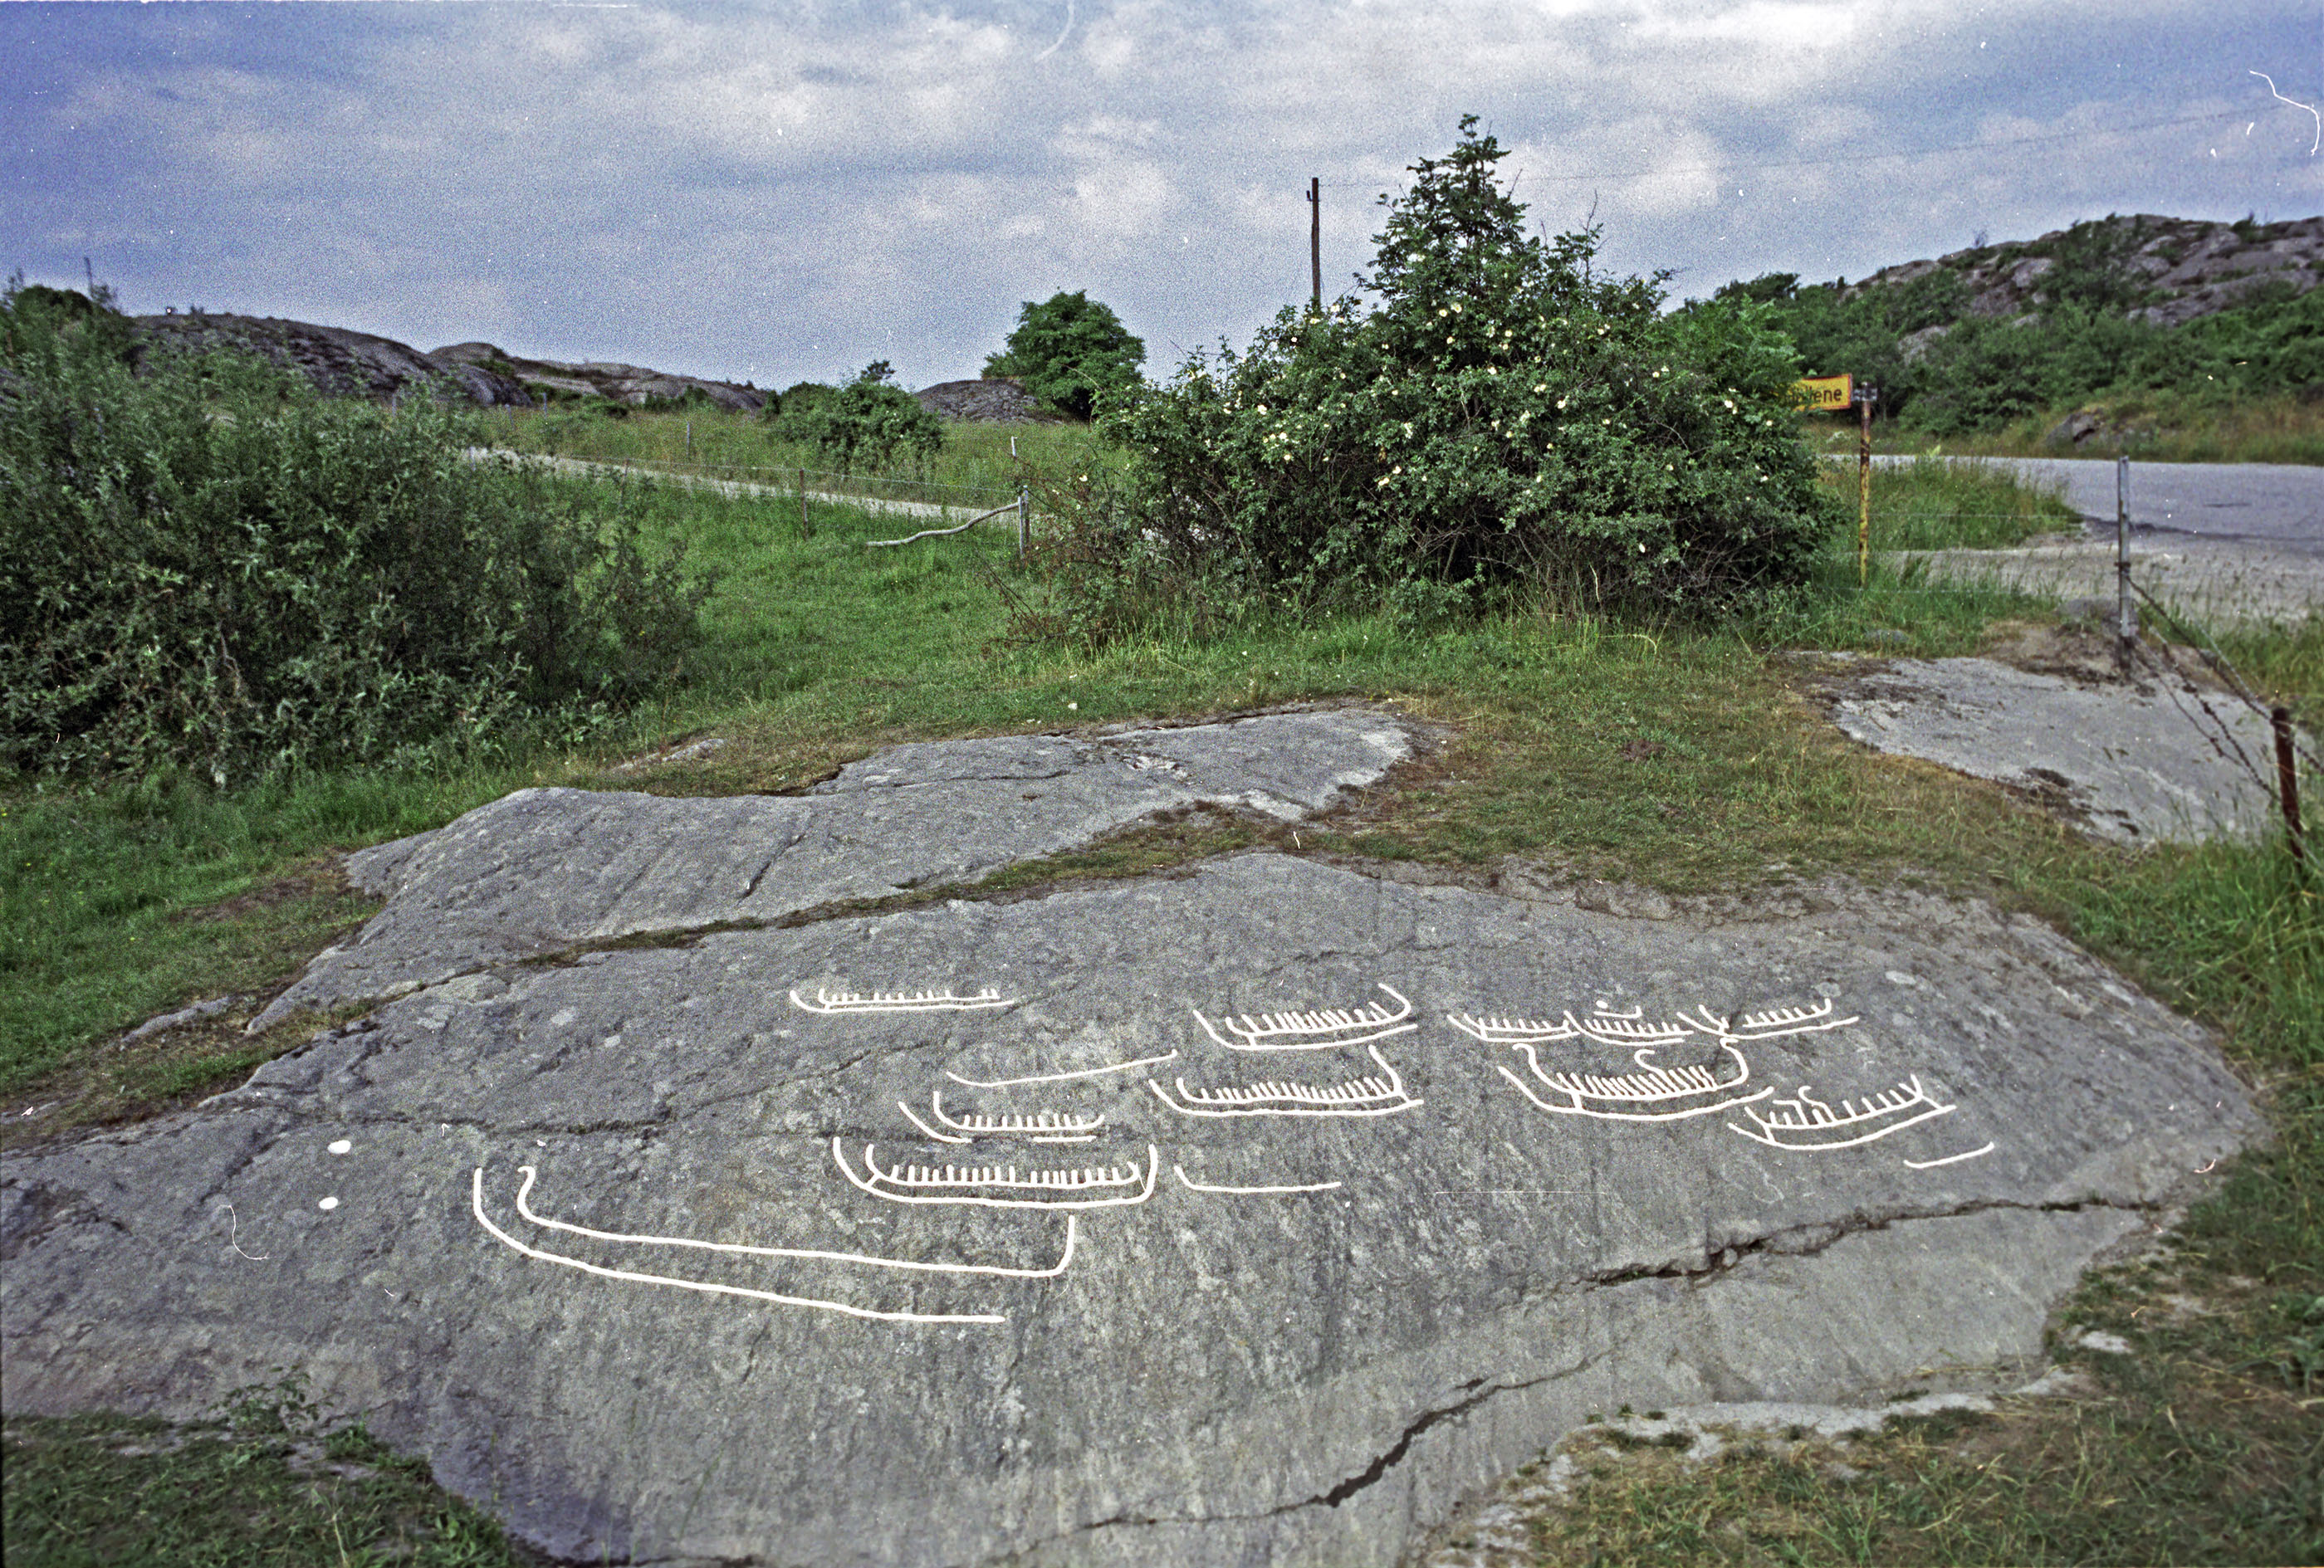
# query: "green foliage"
{"type": "Point", "coordinates": [1070, 351]}
{"type": "Point", "coordinates": [871, 419]}
{"type": "Point", "coordinates": [1503, 417]}
{"type": "Point", "coordinates": [1974, 375]}
{"type": "Point", "coordinates": [204, 566]}
{"type": "Point", "coordinates": [263, 1481]}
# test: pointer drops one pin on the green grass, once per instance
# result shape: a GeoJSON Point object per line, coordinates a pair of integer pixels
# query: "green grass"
{"type": "Point", "coordinates": [2149, 426]}
{"type": "Point", "coordinates": [1936, 505]}
{"type": "Point", "coordinates": [1668, 754]}
{"type": "Point", "coordinates": [262, 1482]}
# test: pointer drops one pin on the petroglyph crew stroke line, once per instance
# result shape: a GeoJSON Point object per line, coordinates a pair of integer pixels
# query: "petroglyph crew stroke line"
{"type": "Point", "coordinates": [1808, 1123]}
{"type": "Point", "coordinates": [1191, 1185]}
{"type": "Point", "coordinates": [1040, 1127]}
{"type": "Point", "coordinates": [1653, 1094]}
{"type": "Point", "coordinates": [705, 1287]}
{"type": "Point", "coordinates": [1093, 1072]}
{"type": "Point", "coordinates": [1319, 1030]}
{"type": "Point", "coordinates": [978, 1184]}
{"type": "Point", "coordinates": [524, 1192]}
{"type": "Point", "coordinates": [1949, 1159]}
{"type": "Point", "coordinates": [900, 1001]}
{"type": "Point", "coordinates": [1369, 1096]}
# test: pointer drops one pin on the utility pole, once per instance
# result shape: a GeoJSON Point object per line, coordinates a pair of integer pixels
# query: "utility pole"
{"type": "Point", "coordinates": [1315, 238]}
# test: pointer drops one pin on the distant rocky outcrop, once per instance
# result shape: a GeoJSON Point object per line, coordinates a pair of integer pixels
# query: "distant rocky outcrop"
{"type": "Point", "coordinates": [998, 400]}
{"type": "Point", "coordinates": [632, 384]}
{"type": "Point", "coordinates": [2160, 270]}
{"type": "Point", "coordinates": [338, 362]}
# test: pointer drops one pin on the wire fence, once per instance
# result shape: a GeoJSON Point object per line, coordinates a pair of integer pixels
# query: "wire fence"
{"type": "Point", "coordinates": [826, 484]}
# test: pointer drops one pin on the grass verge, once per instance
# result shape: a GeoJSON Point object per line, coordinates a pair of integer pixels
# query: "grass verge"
{"type": "Point", "coordinates": [2150, 426]}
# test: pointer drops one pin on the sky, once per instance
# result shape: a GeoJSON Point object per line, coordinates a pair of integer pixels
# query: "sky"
{"type": "Point", "coordinates": [789, 189]}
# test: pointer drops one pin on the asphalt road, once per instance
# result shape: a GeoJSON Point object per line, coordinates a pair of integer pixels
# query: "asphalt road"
{"type": "Point", "coordinates": [2278, 504]}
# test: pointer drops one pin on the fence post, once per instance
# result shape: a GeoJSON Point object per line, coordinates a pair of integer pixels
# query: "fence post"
{"type": "Point", "coordinates": [803, 533]}
{"type": "Point", "coordinates": [1864, 396]}
{"type": "Point", "coordinates": [690, 438]}
{"type": "Point", "coordinates": [1020, 522]}
{"type": "Point", "coordinates": [2126, 617]}
{"type": "Point", "coordinates": [2287, 784]}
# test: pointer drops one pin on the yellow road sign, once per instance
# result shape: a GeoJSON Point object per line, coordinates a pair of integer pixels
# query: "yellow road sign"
{"type": "Point", "coordinates": [1827, 394]}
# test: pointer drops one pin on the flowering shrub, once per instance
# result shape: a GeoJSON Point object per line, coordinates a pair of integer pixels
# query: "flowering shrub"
{"type": "Point", "coordinates": [1501, 417]}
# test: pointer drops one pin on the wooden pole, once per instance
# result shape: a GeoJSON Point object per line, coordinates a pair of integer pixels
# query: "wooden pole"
{"type": "Point", "coordinates": [1315, 238]}
{"type": "Point", "coordinates": [2287, 784]}
{"type": "Point", "coordinates": [2125, 618]}
{"type": "Point", "coordinates": [1864, 491]}
{"type": "Point", "coordinates": [803, 503]}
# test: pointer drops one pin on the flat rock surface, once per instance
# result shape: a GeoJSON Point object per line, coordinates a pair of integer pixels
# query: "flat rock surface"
{"type": "Point", "coordinates": [1258, 1214]}
{"type": "Point", "coordinates": [2156, 760]}
{"type": "Point", "coordinates": [541, 869]}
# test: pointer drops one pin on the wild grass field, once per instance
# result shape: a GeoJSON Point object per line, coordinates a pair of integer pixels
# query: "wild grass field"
{"type": "Point", "coordinates": [1672, 755]}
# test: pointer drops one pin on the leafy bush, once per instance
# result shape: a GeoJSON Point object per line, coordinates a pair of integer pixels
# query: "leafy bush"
{"type": "Point", "coordinates": [870, 419]}
{"type": "Point", "coordinates": [1070, 351]}
{"type": "Point", "coordinates": [1505, 415]}
{"type": "Point", "coordinates": [1973, 374]}
{"type": "Point", "coordinates": [205, 566]}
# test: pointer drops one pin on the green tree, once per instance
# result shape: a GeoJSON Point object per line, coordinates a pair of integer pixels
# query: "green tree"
{"type": "Point", "coordinates": [1068, 352]}
{"type": "Point", "coordinates": [871, 419]}
{"type": "Point", "coordinates": [1505, 413]}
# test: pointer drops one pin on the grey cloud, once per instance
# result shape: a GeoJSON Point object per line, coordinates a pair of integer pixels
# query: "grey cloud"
{"type": "Point", "coordinates": [793, 191]}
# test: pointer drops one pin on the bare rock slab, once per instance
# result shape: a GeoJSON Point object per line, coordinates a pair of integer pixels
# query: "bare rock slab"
{"type": "Point", "coordinates": [544, 868]}
{"type": "Point", "coordinates": [1259, 1215]}
{"type": "Point", "coordinates": [2140, 763]}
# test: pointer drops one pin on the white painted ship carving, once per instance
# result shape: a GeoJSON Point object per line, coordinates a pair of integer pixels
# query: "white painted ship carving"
{"type": "Point", "coordinates": [1039, 1127]}
{"type": "Point", "coordinates": [1652, 1094]}
{"type": "Point", "coordinates": [1380, 1094]}
{"type": "Point", "coordinates": [827, 1001]}
{"type": "Point", "coordinates": [1805, 1123]}
{"type": "Point", "coordinates": [1002, 1186]}
{"type": "Point", "coordinates": [1322, 1028]}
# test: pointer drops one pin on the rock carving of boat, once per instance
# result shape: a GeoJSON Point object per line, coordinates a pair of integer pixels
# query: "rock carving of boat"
{"type": "Point", "coordinates": [899, 1001]}
{"type": "Point", "coordinates": [1040, 1126]}
{"type": "Point", "coordinates": [1380, 1094]}
{"type": "Point", "coordinates": [1806, 1123]}
{"type": "Point", "coordinates": [1002, 1186]}
{"type": "Point", "coordinates": [1320, 1029]}
{"type": "Point", "coordinates": [1630, 1029]}
{"type": "Point", "coordinates": [1652, 1094]}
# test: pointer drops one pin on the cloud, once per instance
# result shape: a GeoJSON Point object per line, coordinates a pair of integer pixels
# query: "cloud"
{"type": "Point", "coordinates": [792, 189]}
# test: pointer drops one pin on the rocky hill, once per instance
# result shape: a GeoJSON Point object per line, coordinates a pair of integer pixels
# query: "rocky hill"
{"type": "Point", "coordinates": [997, 399]}
{"type": "Point", "coordinates": [339, 363]}
{"type": "Point", "coordinates": [620, 383]}
{"type": "Point", "coordinates": [2160, 270]}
